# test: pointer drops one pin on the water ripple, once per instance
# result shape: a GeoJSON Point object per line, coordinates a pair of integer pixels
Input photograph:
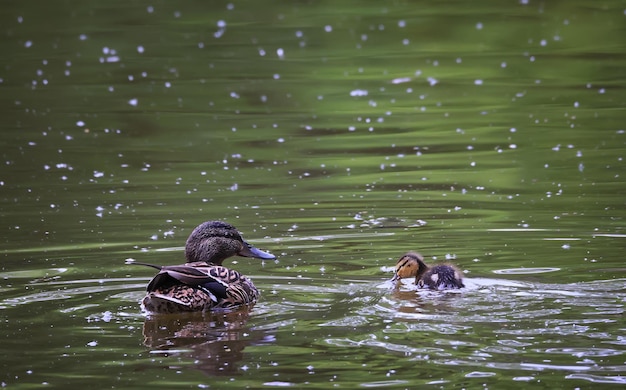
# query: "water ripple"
{"type": "Point", "coordinates": [619, 379]}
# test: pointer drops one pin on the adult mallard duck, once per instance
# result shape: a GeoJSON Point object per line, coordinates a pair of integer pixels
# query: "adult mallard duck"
{"type": "Point", "coordinates": [203, 283]}
{"type": "Point", "coordinates": [438, 277]}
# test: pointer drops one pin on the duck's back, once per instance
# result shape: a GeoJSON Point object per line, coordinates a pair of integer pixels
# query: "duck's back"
{"type": "Point", "coordinates": [222, 288]}
{"type": "Point", "coordinates": [441, 277]}
{"type": "Point", "coordinates": [239, 289]}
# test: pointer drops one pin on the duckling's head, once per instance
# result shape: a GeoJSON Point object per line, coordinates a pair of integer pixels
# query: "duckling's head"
{"type": "Point", "coordinates": [214, 241]}
{"type": "Point", "coordinates": [410, 265]}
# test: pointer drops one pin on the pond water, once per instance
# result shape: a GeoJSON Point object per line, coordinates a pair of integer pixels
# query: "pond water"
{"type": "Point", "coordinates": [338, 136]}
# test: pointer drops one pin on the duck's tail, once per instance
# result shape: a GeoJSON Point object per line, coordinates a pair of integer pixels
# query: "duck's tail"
{"type": "Point", "coordinates": [133, 262]}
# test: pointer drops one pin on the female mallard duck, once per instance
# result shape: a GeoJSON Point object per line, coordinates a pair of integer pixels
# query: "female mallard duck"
{"type": "Point", "coordinates": [203, 283]}
{"type": "Point", "coordinates": [438, 277]}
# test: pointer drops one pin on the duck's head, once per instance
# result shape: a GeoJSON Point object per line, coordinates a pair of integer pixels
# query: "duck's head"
{"type": "Point", "coordinates": [214, 241]}
{"type": "Point", "coordinates": [409, 265]}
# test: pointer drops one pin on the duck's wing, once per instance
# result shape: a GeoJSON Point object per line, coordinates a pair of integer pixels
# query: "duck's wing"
{"type": "Point", "coordinates": [184, 274]}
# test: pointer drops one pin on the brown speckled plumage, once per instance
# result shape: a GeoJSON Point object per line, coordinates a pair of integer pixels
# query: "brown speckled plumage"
{"type": "Point", "coordinates": [203, 283]}
{"type": "Point", "coordinates": [438, 277]}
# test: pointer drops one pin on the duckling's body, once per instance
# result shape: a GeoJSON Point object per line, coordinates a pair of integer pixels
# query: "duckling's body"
{"type": "Point", "coordinates": [438, 277]}
{"type": "Point", "coordinates": [202, 283]}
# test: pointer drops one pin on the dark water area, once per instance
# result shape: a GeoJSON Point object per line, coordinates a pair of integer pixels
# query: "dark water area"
{"type": "Point", "coordinates": [337, 136]}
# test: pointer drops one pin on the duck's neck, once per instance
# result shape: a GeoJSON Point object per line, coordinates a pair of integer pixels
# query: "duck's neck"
{"type": "Point", "coordinates": [421, 269]}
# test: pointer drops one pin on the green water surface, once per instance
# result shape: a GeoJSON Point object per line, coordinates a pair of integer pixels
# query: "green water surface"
{"type": "Point", "coordinates": [336, 135]}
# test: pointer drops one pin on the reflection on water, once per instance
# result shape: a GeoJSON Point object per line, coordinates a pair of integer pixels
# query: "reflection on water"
{"type": "Point", "coordinates": [215, 341]}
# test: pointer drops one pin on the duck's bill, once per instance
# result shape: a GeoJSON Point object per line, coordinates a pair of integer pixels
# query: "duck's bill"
{"type": "Point", "coordinates": [396, 277]}
{"type": "Point", "coordinates": [250, 251]}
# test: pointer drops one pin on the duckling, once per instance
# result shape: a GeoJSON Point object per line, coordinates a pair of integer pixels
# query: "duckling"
{"type": "Point", "coordinates": [203, 284]}
{"type": "Point", "coordinates": [438, 277]}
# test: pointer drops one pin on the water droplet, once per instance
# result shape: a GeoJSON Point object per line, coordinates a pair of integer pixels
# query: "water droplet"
{"type": "Point", "coordinates": [358, 92]}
